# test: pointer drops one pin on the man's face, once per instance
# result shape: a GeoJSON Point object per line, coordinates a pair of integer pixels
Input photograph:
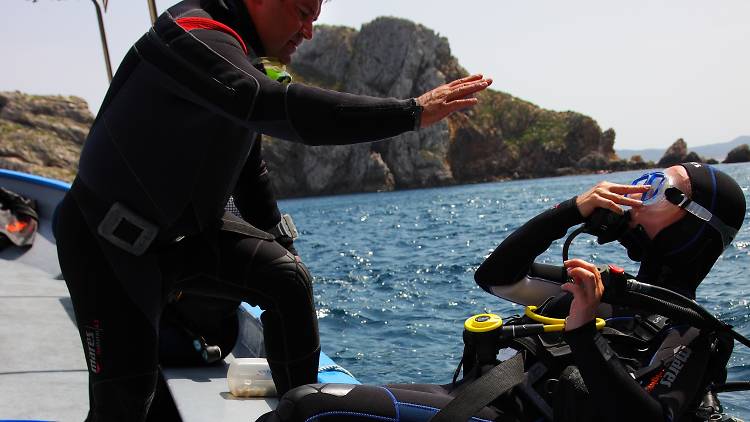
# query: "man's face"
{"type": "Point", "coordinates": [283, 24]}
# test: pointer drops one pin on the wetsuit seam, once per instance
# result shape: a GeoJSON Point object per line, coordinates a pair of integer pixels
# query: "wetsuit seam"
{"type": "Point", "coordinates": [422, 406]}
{"type": "Point", "coordinates": [257, 83]}
{"type": "Point", "coordinates": [255, 252]}
{"type": "Point", "coordinates": [288, 115]}
{"type": "Point", "coordinates": [189, 64]}
{"type": "Point", "coordinates": [347, 413]}
{"type": "Point", "coordinates": [395, 402]}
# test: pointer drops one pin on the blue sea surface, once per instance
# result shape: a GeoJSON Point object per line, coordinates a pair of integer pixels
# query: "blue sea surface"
{"type": "Point", "coordinates": [394, 271]}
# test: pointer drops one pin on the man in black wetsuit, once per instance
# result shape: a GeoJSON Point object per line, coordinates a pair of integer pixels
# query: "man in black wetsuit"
{"type": "Point", "coordinates": [176, 136]}
{"type": "Point", "coordinates": [656, 374]}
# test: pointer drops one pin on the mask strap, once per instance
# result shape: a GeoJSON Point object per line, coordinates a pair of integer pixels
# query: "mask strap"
{"type": "Point", "coordinates": [677, 197]}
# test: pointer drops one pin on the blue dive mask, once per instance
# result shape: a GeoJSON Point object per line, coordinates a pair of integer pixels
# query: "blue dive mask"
{"type": "Point", "coordinates": [659, 183]}
{"type": "Point", "coordinates": [663, 189]}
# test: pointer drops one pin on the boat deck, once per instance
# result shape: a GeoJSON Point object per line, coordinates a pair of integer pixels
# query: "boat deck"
{"type": "Point", "coordinates": [43, 374]}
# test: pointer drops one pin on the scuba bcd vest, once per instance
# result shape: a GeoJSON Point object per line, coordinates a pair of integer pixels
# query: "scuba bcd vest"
{"type": "Point", "coordinates": [553, 384]}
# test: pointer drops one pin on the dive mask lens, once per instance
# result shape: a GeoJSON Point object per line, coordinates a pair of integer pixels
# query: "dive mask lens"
{"type": "Point", "coordinates": [658, 183]}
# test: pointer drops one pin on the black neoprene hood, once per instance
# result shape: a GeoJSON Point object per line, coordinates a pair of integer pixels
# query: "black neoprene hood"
{"type": "Point", "coordinates": [682, 254]}
{"type": "Point", "coordinates": [717, 192]}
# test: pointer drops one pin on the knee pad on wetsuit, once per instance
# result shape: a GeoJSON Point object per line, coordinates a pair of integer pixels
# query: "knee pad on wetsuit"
{"type": "Point", "coordinates": [288, 284]}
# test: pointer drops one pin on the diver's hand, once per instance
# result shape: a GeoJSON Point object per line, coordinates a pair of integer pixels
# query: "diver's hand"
{"type": "Point", "coordinates": [609, 196]}
{"type": "Point", "coordinates": [587, 289]}
{"type": "Point", "coordinates": [454, 96]}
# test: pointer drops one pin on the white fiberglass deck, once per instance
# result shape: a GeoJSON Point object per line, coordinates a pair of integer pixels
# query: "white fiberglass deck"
{"type": "Point", "coordinates": [43, 373]}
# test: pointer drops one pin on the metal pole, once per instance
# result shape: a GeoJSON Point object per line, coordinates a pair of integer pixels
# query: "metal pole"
{"type": "Point", "coordinates": [104, 40]}
{"type": "Point", "coordinates": [152, 10]}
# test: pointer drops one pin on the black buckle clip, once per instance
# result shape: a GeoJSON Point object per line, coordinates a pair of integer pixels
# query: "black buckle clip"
{"type": "Point", "coordinates": [127, 230]}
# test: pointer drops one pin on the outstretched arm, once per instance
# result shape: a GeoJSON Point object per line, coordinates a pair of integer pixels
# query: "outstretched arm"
{"type": "Point", "coordinates": [210, 68]}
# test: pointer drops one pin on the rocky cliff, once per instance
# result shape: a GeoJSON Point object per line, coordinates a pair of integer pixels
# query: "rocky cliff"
{"type": "Point", "coordinates": [42, 135]}
{"type": "Point", "coordinates": [503, 137]}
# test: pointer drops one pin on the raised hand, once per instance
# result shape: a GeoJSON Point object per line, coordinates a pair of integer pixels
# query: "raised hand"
{"type": "Point", "coordinates": [587, 289]}
{"type": "Point", "coordinates": [609, 196]}
{"type": "Point", "coordinates": [453, 96]}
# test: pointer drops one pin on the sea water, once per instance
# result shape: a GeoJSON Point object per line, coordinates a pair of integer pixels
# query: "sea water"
{"type": "Point", "coordinates": [394, 271]}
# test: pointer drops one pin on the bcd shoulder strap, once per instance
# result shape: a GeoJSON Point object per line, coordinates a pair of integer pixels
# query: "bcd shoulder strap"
{"type": "Point", "coordinates": [483, 391]}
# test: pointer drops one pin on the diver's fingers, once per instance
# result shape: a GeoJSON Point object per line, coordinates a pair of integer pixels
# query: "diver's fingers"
{"type": "Point", "coordinates": [626, 189]}
{"type": "Point", "coordinates": [591, 285]}
{"type": "Point", "coordinates": [582, 275]}
{"type": "Point", "coordinates": [597, 285]}
{"type": "Point", "coordinates": [465, 90]}
{"type": "Point", "coordinates": [577, 262]}
{"type": "Point", "coordinates": [619, 199]}
{"type": "Point", "coordinates": [610, 205]}
{"type": "Point", "coordinates": [462, 104]}
{"type": "Point", "coordinates": [584, 282]}
{"type": "Point", "coordinates": [572, 288]}
{"type": "Point", "coordinates": [469, 78]}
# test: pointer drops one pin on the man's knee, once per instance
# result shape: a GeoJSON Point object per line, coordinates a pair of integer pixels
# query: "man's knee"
{"type": "Point", "coordinates": [289, 280]}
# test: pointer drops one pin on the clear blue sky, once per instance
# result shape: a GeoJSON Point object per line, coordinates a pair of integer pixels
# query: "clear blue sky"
{"type": "Point", "coordinates": [654, 70]}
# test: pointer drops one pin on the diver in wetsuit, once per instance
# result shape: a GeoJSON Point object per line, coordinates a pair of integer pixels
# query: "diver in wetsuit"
{"type": "Point", "coordinates": [176, 135]}
{"type": "Point", "coordinates": [645, 369]}
{"type": "Point", "coordinates": [676, 250]}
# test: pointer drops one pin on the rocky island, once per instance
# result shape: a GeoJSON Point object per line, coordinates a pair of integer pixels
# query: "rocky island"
{"type": "Point", "coordinates": [504, 137]}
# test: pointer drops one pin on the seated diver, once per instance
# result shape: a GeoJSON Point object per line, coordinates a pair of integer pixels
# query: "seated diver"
{"type": "Point", "coordinates": [640, 367]}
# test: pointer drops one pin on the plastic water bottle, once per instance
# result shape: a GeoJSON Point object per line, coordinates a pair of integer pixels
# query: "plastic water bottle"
{"type": "Point", "coordinates": [250, 377]}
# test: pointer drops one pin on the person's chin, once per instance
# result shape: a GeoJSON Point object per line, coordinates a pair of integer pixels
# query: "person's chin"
{"type": "Point", "coordinates": [286, 54]}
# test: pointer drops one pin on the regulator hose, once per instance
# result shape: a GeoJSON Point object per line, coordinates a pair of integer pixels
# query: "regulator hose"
{"type": "Point", "coordinates": [568, 241]}
{"type": "Point", "coordinates": [732, 386]}
{"type": "Point", "coordinates": [667, 303]}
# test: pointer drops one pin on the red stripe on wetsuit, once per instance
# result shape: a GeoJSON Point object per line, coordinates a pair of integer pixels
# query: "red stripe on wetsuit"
{"type": "Point", "coordinates": [190, 23]}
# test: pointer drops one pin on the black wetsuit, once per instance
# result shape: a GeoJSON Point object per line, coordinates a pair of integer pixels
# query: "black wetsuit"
{"type": "Point", "coordinates": [176, 135]}
{"type": "Point", "coordinates": [614, 394]}
{"type": "Point", "coordinates": [670, 372]}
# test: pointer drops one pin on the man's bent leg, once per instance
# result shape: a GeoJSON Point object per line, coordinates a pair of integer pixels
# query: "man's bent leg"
{"type": "Point", "coordinates": [294, 355]}
{"type": "Point", "coordinates": [282, 287]}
